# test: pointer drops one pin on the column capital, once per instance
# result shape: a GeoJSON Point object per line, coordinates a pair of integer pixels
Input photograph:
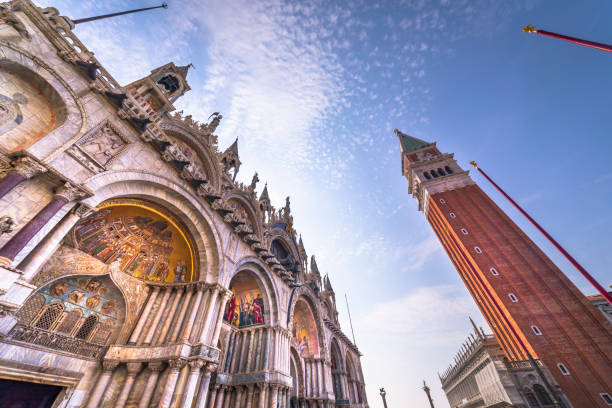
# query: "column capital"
{"type": "Point", "coordinates": [156, 366]}
{"type": "Point", "coordinates": [69, 192]}
{"type": "Point", "coordinates": [133, 368]}
{"type": "Point", "coordinates": [195, 365]}
{"type": "Point", "coordinates": [210, 367]}
{"type": "Point", "coordinates": [28, 167]}
{"type": "Point", "coordinates": [250, 388]}
{"type": "Point", "coordinates": [177, 364]}
{"type": "Point", "coordinates": [109, 365]}
{"type": "Point", "coordinates": [262, 386]}
{"type": "Point", "coordinates": [82, 210]}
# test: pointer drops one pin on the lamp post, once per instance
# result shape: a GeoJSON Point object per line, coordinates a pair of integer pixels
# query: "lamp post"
{"type": "Point", "coordinates": [427, 390]}
{"type": "Point", "coordinates": [383, 395]}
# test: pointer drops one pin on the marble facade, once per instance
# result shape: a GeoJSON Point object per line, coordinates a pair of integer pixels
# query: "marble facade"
{"type": "Point", "coordinates": [73, 316]}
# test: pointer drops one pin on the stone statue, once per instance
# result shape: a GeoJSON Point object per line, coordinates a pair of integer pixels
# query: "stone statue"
{"type": "Point", "coordinates": [7, 224]}
{"type": "Point", "coordinates": [8, 17]}
{"type": "Point", "coordinates": [254, 182]}
{"type": "Point", "coordinates": [212, 126]}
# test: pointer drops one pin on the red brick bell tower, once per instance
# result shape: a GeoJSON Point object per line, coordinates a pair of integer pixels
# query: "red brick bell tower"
{"type": "Point", "coordinates": [530, 305]}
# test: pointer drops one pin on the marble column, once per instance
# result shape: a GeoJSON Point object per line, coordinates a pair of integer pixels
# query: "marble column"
{"type": "Point", "coordinates": [274, 396]}
{"type": "Point", "coordinates": [43, 251]}
{"type": "Point", "coordinates": [161, 310]}
{"type": "Point", "coordinates": [228, 397]}
{"type": "Point", "coordinates": [266, 353]}
{"type": "Point", "coordinates": [132, 370]}
{"type": "Point", "coordinates": [320, 369]}
{"type": "Point", "coordinates": [228, 353]}
{"type": "Point", "coordinates": [250, 355]}
{"type": "Point", "coordinates": [181, 316]}
{"type": "Point", "coordinates": [102, 383]}
{"type": "Point", "coordinates": [220, 397]}
{"type": "Point", "coordinates": [204, 385]}
{"type": "Point", "coordinates": [144, 316]}
{"type": "Point", "coordinates": [239, 394]}
{"type": "Point", "coordinates": [175, 367]}
{"type": "Point", "coordinates": [194, 311]}
{"type": "Point", "coordinates": [192, 381]}
{"type": "Point", "coordinates": [170, 317]}
{"type": "Point", "coordinates": [64, 194]}
{"type": "Point", "coordinates": [243, 346]}
{"type": "Point", "coordinates": [213, 396]}
{"type": "Point", "coordinates": [206, 328]}
{"type": "Point", "coordinates": [215, 338]}
{"type": "Point", "coordinates": [155, 368]}
{"type": "Point", "coordinates": [194, 336]}
{"type": "Point", "coordinates": [23, 169]}
{"type": "Point", "coordinates": [262, 395]}
{"type": "Point", "coordinates": [250, 391]}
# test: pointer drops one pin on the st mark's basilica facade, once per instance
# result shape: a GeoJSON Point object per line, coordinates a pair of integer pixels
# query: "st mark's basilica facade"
{"type": "Point", "coordinates": [135, 270]}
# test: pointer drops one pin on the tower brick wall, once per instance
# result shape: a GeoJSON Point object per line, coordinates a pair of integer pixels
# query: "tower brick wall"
{"type": "Point", "coordinates": [530, 305]}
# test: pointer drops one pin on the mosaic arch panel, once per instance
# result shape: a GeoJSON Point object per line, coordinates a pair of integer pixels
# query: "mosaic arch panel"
{"type": "Point", "coordinates": [84, 298]}
{"type": "Point", "coordinates": [26, 110]}
{"type": "Point", "coordinates": [149, 243]}
{"type": "Point", "coordinates": [246, 307]}
{"type": "Point", "coordinates": [304, 331]}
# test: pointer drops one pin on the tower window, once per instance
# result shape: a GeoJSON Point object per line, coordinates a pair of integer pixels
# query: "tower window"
{"type": "Point", "coordinates": [427, 176]}
{"type": "Point", "coordinates": [464, 231]}
{"type": "Point", "coordinates": [478, 250]}
{"type": "Point", "coordinates": [170, 83]}
{"type": "Point", "coordinates": [606, 397]}
{"type": "Point", "coordinates": [452, 215]}
{"type": "Point", "coordinates": [494, 271]}
{"type": "Point", "coordinates": [563, 369]}
{"type": "Point", "coordinates": [434, 174]}
{"type": "Point", "coordinates": [448, 170]}
{"type": "Point", "coordinates": [441, 172]}
{"type": "Point", "coordinates": [536, 330]}
{"type": "Point", "coordinates": [442, 201]}
{"type": "Point", "coordinates": [513, 297]}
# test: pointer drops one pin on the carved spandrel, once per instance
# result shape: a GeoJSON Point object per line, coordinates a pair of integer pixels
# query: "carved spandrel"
{"type": "Point", "coordinates": [99, 148]}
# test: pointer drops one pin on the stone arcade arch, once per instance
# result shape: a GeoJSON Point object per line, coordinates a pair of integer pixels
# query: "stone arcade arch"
{"type": "Point", "coordinates": [337, 371]}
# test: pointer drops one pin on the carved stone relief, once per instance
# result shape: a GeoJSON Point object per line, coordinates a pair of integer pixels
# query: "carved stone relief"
{"type": "Point", "coordinates": [98, 149]}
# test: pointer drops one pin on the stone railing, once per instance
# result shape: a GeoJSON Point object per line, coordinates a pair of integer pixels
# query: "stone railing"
{"type": "Point", "coordinates": [55, 341]}
{"type": "Point", "coordinates": [522, 365]}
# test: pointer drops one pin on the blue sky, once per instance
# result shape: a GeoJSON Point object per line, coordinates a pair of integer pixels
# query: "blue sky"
{"type": "Point", "coordinates": [314, 89]}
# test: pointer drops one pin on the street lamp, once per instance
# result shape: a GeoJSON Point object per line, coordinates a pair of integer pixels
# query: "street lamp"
{"type": "Point", "coordinates": [383, 394]}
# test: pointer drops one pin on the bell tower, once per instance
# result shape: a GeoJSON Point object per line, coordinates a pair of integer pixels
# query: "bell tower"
{"type": "Point", "coordinates": [162, 87]}
{"type": "Point", "coordinates": [531, 306]}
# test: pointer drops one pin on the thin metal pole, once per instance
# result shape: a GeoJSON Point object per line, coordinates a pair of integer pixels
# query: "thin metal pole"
{"type": "Point", "coordinates": [87, 19]}
{"type": "Point", "coordinates": [350, 320]}
{"type": "Point", "coordinates": [579, 41]}
{"type": "Point", "coordinates": [583, 271]}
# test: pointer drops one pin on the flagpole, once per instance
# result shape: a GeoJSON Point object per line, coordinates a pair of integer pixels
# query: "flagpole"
{"type": "Point", "coordinates": [579, 41]}
{"type": "Point", "coordinates": [87, 19]}
{"type": "Point", "coordinates": [570, 258]}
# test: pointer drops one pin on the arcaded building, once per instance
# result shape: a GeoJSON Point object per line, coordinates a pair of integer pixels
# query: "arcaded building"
{"type": "Point", "coordinates": [136, 271]}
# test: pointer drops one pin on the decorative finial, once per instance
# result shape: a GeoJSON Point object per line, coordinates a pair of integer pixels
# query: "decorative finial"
{"type": "Point", "coordinates": [396, 131]}
{"type": "Point", "coordinates": [529, 29]}
{"type": "Point", "coordinates": [473, 163]}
